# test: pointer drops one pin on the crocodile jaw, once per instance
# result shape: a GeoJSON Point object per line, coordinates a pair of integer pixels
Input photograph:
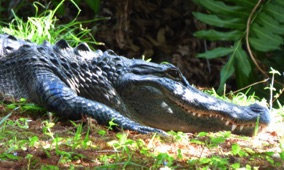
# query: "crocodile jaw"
{"type": "Point", "coordinates": [170, 105]}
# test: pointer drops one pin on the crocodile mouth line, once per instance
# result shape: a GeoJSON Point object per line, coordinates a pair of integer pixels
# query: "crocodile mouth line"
{"type": "Point", "coordinates": [227, 121]}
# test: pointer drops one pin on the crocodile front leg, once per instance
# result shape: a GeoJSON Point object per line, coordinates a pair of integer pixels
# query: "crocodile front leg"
{"type": "Point", "coordinates": [56, 96]}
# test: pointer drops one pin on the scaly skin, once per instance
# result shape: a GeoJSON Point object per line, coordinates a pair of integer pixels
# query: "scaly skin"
{"type": "Point", "coordinates": [137, 95]}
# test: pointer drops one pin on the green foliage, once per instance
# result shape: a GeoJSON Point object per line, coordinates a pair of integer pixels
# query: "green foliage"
{"type": "Point", "coordinates": [29, 156]}
{"type": "Point", "coordinates": [215, 139]}
{"type": "Point", "coordinates": [236, 150]}
{"type": "Point", "coordinates": [4, 119]}
{"type": "Point", "coordinates": [127, 148]}
{"type": "Point", "coordinates": [123, 142]}
{"type": "Point", "coordinates": [219, 138]}
{"type": "Point", "coordinates": [230, 18]}
{"type": "Point", "coordinates": [43, 27]}
{"type": "Point", "coordinates": [112, 124]}
{"type": "Point", "coordinates": [178, 136]}
{"type": "Point", "coordinates": [271, 87]}
{"type": "Point", "coordinates": [281, 154]}
{"type": "Point", "coordinates": [163, 159]}
{"type": "Point", "coordinates": [93, 4]}
{"type": "Point", "coordinates": [214, 162]}
{"type": "Point", "coordinates": [23, 105]}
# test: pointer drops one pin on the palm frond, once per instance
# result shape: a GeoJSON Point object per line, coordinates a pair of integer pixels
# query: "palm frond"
{"type": "Point", "coordinates": [232, 16]}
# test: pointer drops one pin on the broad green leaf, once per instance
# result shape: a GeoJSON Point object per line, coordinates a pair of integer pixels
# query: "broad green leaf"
{"type": "Point", "coordinates": [275, 10]}
{"type": "Point", "coordinates": [217, 35]}
{"type": "Point", "coordinates": [243, 66]}
{"type": "Point", "coordinates": [226, 72]}
{"type": "Point", "coordinates": [220, 7]}
{"type": "Point", "coordinates": [236, 165]}
{"type": "Point", "coordinates": [263, 47]}
{"type": "Point", "coordinates": [216, 52]}
{"type": "Point", "coordinates": [278, 2]}
{"type": "Point", "coordinates": [269, 22]}
{"type": "Point", "coordinates": [265, 39]}
{"type": "Point", "coordinates": [266, 34]}
{"type": "Point", "coordinates": [214, 20]}
{"type": "Point", "coordinates": [245, 3]}
{"type": "Point", "coordinates": [235, 149]}
{"type": "Point", "coordinates": [205, 160]}
{"type": "Point", "coordinates": [94, 5]}
{"type": "Point", "coordinates": [243, 63]}
{"type": "Point", "coordinates": [9, 156]}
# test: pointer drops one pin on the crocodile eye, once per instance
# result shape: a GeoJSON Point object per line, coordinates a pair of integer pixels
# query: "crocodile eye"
{"type": "Point", "coordinates": [173, 73]}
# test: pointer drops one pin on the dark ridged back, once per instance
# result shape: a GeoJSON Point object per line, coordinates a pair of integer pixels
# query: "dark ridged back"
{"type": "Point", "coordinates": [10, 44]}
{"type": "Point", "coordinates": [88, 73]}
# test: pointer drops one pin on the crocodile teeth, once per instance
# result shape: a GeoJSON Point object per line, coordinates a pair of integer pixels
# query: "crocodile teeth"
{"type": "Point", "coordinates": [227, 123]}
{"type": "Point", "coordinates": [234, 127]}
{"type": "Point", "coordinates": [241, 127]}
{"type": "Point", "coordinates": [199, 115]}
{"type": "Point", "coordinates": [193, 114]}
{"type": "Point", "coordinates": [222, 118]}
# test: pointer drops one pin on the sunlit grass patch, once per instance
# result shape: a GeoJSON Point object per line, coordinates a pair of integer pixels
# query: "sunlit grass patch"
{"type": "Point", "coordinates": [44, 26]}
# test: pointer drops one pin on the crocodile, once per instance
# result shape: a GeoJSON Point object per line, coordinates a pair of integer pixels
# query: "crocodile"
{"type": "Point", "coordinates": [137, 95]}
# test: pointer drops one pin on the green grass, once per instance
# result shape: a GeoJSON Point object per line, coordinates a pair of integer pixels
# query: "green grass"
{"type": "Point", "coordinates": [43, 27]}
{"type": "Point", "coordinates": [32, 139]}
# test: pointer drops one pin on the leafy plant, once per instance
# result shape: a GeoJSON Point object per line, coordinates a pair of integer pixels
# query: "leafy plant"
{"type": "Point", "coordinates": [43, 27]}
{"type": "Point", "coordinates": [47, 128]}
{"type": "Point", "coordinates": [250, 27]}
{"type": "Point", "coordinates": [281, 154]}
{"type": "Point", "coordinates": [163, 159]}
{"type": "Point", "coordinates": [94, 5]}
{"type": "Point", "coordinates": [23, 105]}
{"type": "Point", "coordinates": [112, 124]}
{"type": "Point", "coordinates": [29, 156]}
{"type": "Point", "coordinates": [215, 162]}
{"type": "Point", "coordinates": [178, 136]}
{"type": "Point", "coordinates": [126, 147]}
{"type": "Point", "coordinates": [123, 143]}
{"type": "Point", "coordinates": [4, 119]}
{"type": "Point", "coordinates": [219, 138]}
{"type": "Point", "coordinates": [271, 87]}
{"type": "Point", "coordinates": [236, 150]}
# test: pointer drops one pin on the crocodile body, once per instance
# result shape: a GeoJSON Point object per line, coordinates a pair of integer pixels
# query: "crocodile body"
{"type": "Point", "coordinates": [137, 95]}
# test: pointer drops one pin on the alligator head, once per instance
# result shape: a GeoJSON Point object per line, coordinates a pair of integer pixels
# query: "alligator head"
{"type": "Point", "coordinates": [158, 95]}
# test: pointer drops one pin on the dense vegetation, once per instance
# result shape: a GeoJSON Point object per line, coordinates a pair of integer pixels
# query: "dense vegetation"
{"type": "Point", "coordinates": [32, 139]}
